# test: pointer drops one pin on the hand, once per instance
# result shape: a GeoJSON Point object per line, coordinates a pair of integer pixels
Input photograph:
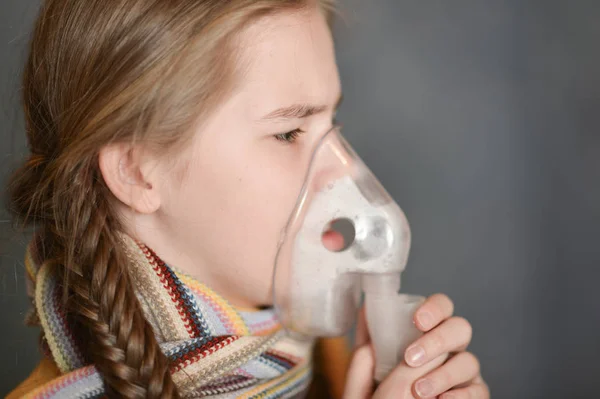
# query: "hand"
{"type": "Point", "coordinates": [435, 366]}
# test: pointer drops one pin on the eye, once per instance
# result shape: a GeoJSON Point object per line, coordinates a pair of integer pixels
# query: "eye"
{"type": "Point", "coordinates": [289, 137]}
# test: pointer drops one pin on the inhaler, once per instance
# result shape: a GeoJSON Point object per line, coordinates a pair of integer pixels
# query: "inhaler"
{"type": "Point", "coordinates": [318, 286]}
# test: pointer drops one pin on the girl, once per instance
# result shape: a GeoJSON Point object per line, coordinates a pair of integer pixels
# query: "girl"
{"type": "Point", "coordinates": [169, 140]}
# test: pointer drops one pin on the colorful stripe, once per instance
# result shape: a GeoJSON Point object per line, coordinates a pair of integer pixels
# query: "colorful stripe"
{"type": "Point", "coordinates": [62, 387]}
{"type": "Point", "coordinates": [278, 359]}
{"type": "Point", "coordinates": [195, 323]}
{"type": "Point", "coordinates": [230, 318]}
{"type": "Point", "coordinates": [260, 323]}
{"type": "Point", "coordinates": [195, 352]}
{"type": "Point", "coordinates": [227, 385]}
{"type": "Point", "coordinates": [54, 323]}
{"type": "Point", "coordinates": [213, 348]}
{"type": "Point", "coordinates": [284, 386]}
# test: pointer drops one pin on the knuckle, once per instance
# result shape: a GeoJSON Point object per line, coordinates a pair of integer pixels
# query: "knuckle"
{"type": "Point", "coordinates": [464, 325]}
{"type": "Point", "coordinates": [437, 343]}
{"type": "Point", "coordinates": [440, 306]}
{"type": "Point", "coordinates": [444, 378]}
{"type": "Point", "coordinates": [474, 361]}
{"type": "Point", "coordinates": [442, 300]}
{"type": "Point", "coordinates": [447, 303]}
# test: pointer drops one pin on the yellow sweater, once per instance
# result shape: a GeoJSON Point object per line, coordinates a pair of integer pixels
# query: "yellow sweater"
{"type": "Point", "coordinates": [332, 358]}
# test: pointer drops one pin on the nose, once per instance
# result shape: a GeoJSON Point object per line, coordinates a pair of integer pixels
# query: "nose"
{"type": "Point", "coordinates": [332, 160]}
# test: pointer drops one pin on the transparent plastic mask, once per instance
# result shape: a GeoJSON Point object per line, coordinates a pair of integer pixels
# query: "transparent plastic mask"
{"type": "Point", "coordinates": [317, 289]}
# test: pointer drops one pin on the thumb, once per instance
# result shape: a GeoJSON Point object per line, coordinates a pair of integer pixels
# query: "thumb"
{"type": "Point", "coordinates": [359, 381]}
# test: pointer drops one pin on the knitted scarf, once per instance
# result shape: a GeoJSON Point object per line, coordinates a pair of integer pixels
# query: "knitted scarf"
{"type": "Point", "coordinates": [215, 350]}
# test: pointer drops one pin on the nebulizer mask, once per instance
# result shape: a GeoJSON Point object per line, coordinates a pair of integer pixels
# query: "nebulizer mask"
{"type": "Point", "coordinates": [346, 236]}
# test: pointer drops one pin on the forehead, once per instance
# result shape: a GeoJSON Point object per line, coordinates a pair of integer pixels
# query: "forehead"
{"type": "Point", "coordinates": [289, 57]}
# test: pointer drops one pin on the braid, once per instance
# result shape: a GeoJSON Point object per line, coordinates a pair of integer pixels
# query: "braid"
{"type": "Point", "coordinates": [123, 346]}
{"type": "Point", "coordinates": [82, 243]}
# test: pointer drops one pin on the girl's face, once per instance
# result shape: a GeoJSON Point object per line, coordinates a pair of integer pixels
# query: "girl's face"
{"type": "Point", "coordinates": [244, 168]}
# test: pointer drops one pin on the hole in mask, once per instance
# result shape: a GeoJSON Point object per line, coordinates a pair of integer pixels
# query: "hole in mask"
{"type": "Point", "coordinates": [338, 235]}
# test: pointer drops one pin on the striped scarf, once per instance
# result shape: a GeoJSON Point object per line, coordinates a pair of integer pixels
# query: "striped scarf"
{"type": "Point", "coordinates": [215, 350]}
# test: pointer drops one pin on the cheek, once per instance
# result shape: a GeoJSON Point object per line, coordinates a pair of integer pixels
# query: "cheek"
{"type": "Point", "coordinates": [269, 182]}
{"type": "Point", "coordinates": [237, 207]}
{"type": "Point", "coordinates": [266, 197]}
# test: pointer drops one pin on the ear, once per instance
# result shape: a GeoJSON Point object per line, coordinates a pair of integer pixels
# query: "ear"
{"type": "Point", "coordinates": [123, 168]}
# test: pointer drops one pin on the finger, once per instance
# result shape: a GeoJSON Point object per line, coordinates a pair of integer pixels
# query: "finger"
{"type": "Point", "coordinates": [433, 311]}
{"type": "Point", "coordinates": [477, 390]}
{"type": "Point", "coordinates": [399, 383]}
{"type": "Point", "coordinates": [359, 381]}
{"type": "Point", "coordinates": [461, 368]}
{"type": "Point", "coordinates": [451, 336]}
{"type": "Point", "coordinates": [361, 336]}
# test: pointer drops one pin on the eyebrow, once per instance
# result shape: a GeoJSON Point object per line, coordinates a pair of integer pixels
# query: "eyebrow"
{"type": "Point", "coordinates": [299, 111]}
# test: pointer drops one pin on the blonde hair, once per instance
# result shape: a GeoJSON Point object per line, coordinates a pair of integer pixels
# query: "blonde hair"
{"type": "Point", "coordinates": [100, 72]}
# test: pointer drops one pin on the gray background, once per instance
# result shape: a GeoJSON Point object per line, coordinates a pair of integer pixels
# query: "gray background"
{"type": "Point", "coordinates": [481, 119]}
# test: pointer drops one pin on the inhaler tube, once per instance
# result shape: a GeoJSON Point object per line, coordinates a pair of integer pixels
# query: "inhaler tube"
{"type": "Point", "coordinates": [389, 320]}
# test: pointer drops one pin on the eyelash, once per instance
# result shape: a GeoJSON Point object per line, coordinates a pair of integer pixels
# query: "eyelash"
{"type": "Point", "coordinates": [289, 137]}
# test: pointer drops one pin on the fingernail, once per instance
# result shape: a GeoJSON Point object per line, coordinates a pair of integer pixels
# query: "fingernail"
{"type": "Point", "coordinates": [424, 388]}
{"type": "Point", "coordinates": [425, 319]}
{"type": "Point", "coordinates": [415, 355]}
